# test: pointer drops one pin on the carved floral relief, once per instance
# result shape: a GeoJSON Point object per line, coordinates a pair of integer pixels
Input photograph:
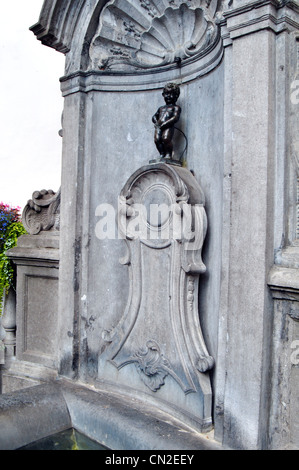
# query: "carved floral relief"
{"type": "Point", "coordinates": [151, 365]}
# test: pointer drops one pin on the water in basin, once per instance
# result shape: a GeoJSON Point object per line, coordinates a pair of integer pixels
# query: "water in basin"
{"type": "Point", "coordinates": [70, 439]}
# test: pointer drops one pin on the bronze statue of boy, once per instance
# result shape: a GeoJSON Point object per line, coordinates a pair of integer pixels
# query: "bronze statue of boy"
{"type": "Point", "coordinates": [165, 119]}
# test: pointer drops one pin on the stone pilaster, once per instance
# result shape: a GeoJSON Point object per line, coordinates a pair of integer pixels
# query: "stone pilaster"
{"type": "Point", "coordinates": [257, 39]}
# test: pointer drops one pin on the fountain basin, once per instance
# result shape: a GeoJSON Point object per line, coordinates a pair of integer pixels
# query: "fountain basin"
{"type": "Point", "coordinates": [114, 421]}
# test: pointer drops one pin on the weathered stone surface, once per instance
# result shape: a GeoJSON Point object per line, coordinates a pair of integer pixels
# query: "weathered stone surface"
{"type": "Point", "coordinates": [103, 415]}
{"type": "Point", "coordinates": [31, 414]}
{"type": "Point", "coordinates": [283, 281]}
{"type": "Point", "coordinates": [126, 423]}
{"type": "Point", "coordinates": [241, 123]}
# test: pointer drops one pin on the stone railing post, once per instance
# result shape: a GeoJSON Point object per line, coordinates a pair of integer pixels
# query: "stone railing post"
{"type": "Point", "coordinates": [2, 347]}
{"type": "Point", "coordinates": [9, 324]}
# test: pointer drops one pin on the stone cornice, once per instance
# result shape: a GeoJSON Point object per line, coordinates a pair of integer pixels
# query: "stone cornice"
{"type": "Point", "coordinates": [249, 6]}
{"type": "Point", "coordinates": [59, 18]}
{"type": "Point", "coordinates": [58, 28]}
{"type": "Point", "coordinates": [284, 283]}
{"type": "Point", "coordinates": [283, 279]}
{"type": "Point", "coordinates": [23, 257]}
{"type": "Point", "coordinates": [36, 250]}
{"type": "Point", "coordinates": [130, 65]}
{"type": "Point", "coordinates": [57, 22]}
{"type": "Point", "coordinates": [259, 15]}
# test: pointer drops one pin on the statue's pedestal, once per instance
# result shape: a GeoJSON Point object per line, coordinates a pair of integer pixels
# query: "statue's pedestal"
{"type": "Point", "coordinates": [35, 321]}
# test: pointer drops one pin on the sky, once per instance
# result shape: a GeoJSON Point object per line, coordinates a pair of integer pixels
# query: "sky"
{"type": "Point", "coordinates": [30, 106]}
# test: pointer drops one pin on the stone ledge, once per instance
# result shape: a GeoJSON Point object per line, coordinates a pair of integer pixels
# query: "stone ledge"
{"type": "Point", "coordinates": [42, 249]}
{"type": "Point", "coordinates": [17, 375]}
{"type": "Point", "coordinates": [284, 283]}
{"type": "Point", "coordinates": [44, 240]}
{"type": "Point", "coordinates": [283, 278]}
{"type": "Point", "coordinates": [127, 424]}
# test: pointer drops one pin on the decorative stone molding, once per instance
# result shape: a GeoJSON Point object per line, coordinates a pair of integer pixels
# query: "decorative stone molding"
{"type": "Point", "coordinates": [42, 212]}
{"type": "Point", "coordinates": [254, 16]}
{"type": "Point", "coordinates": [159, 332]}
{"type": "Point", "coordinates": [283, 280]}
{"type": "Point", "coordinates": [57, 23]}
{"type": "Point", "coordinates": [284, 283]}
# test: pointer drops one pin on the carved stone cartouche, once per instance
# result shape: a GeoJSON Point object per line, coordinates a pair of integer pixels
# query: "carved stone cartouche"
{"type": "Point", "coordinates": [159, 333]}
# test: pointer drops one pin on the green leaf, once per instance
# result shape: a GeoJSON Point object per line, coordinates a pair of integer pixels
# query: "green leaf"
{"type": "Point", "coordinates": [7, 271]}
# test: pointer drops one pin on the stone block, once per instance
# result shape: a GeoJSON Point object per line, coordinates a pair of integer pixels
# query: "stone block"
{"type": "Point", "coordinates": [37, 264]}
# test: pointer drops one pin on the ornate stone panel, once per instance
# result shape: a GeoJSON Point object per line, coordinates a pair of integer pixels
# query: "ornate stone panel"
{"type": "Point", "coordinates": [158, 342]}
{"type": "Point", "coordinates": [37, 315]}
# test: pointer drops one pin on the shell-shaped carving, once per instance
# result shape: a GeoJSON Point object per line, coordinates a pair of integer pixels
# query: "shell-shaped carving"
{"type": "Point", "coordinates": [145, 34]}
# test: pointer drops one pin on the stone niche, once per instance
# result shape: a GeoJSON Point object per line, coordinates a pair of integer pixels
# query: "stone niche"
{"type": "Point", "coordinates": [200, 343]}
{"type": "Point", "coordinates": [111, 91]}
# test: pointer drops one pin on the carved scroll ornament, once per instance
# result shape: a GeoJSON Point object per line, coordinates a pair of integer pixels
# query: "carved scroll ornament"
{"type": "Point", "coordinates": [143, 34]}
{"type": "Point", "coordinates": [42, 212]}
